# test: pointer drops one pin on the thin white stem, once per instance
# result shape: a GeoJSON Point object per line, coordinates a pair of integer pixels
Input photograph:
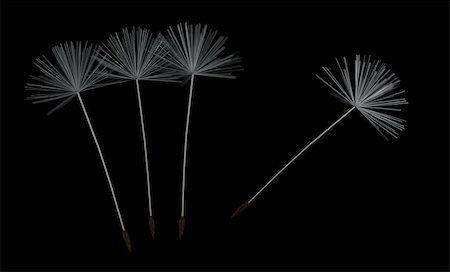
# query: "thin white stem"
{"type": "Point", "coordinates": [296, 156]}
{"type": "Point", "coordinates": [186, 132]}
{"type": "Point", "coordinates": [103, 161]}
{"type": "Point", "coordinates": [144, 139]}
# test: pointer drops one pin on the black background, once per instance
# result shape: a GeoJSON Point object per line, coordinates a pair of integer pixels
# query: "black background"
{"type": "Point", "coordinates": [352, 202]}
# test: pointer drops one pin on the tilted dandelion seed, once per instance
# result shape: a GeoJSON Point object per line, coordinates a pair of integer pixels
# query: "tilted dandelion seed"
{"type": "Point", "coordinates": [137, 55]}
{"type": "Point", "coordinates": [74, 69]}
{"type": "Point", "coordinates": [194, 50]}
{"type": "Point", "coordinates": [372, 89]}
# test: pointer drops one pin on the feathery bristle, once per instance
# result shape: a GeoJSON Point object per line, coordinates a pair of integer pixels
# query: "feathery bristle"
{"type": "Point", "coordinates": [196, 50]}
{"type": "Point", "coordinates": [372, 89]}
{"type": "Point", "coordinates": [76, 69]}
{"type": "Point", "coordinates": [136, 54]}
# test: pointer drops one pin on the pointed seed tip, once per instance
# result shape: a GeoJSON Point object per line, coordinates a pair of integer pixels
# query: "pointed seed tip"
{"type": "Point", "coordinates": [151, 223]}
{"type": "Point", "coordinates": [181, 225]}
{"type": "Point", "coordinates": [127, 240]}
{"type": "Point", "coordinates": [240, 210]}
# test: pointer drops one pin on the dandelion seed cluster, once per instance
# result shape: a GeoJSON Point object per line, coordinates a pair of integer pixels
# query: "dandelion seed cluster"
{"type": "Point", "coordinates": [186, 51]}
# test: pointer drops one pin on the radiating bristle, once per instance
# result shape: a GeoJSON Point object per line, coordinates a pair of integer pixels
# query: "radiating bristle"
{"type": "Point", "coordinates": [372, 89]}
{"type": "Point", "coordinates": [75, 68]}
{"type": "Point", "coordinates": [136, 54]}
{"type": "Point", "coordinates": [196, 50]}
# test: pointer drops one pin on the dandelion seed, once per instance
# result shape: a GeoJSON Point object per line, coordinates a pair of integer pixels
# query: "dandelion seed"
{"type": "Point", "coordinates": [370, 88]}
{"type": "Point", "coordinates": [137, 55]}
{"type": "Point", "coordinates": [196, 51]}
{"type": "Point", "coordinates": [373, 90]}
{"type": "Point", "coordinates": [74, 69]}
